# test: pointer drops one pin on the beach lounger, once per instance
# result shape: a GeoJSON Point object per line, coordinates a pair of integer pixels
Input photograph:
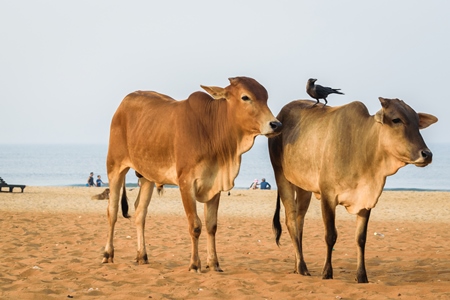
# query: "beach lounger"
{"type": "Point", "coordinates": [10, 186]}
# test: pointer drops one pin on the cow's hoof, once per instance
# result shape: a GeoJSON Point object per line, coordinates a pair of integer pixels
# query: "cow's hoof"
{"type": "Point", "coordinates": [142, 259]}
{"type": "Point", "coordinates": [303, 271]}
{"type": "Point", "coordinates": [195, 269]}
{"type": "Point", "coordinates": [108, 258]}
{"type": "Point", "coordinates": [327, 273]}
{"type": "Point", "coordinates": [215, 267]}
{"type": "Point", "coordinates": [362, 279]}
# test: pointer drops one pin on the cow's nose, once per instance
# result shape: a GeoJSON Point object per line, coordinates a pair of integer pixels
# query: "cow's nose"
{"type": "Point", "coordinates": [426, 155]}
{"type": "Point", "coordinates": [276, 125]}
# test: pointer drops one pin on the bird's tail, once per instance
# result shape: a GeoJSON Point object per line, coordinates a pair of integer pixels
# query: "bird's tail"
{"type": "Point", "coordinates": [337, 91]}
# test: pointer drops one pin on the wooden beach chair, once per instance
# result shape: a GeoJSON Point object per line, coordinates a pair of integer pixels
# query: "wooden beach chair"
{"type": "Point", "coordinates": [10, 186]}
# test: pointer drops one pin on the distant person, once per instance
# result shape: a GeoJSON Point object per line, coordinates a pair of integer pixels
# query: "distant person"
{"type": "Point", "coordinates": [264, 185]}
{"type": "Point", "coordinates": [254, 185]}
{"type": "Point", "coordinates": [90, 180]}
{"type": "Point", "coordinates": [99, 181]}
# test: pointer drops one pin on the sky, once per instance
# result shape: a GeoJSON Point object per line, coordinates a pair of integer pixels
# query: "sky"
{"type": "Point", "coordinates": [65, 66]}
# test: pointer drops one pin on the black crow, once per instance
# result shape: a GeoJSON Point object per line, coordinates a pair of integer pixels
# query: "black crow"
{"type": "Point", "coordinates": [319, 92]}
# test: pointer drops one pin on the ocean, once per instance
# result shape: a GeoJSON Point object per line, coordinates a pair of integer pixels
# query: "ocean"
{"type": "Point", "coordinates": [70, 165]}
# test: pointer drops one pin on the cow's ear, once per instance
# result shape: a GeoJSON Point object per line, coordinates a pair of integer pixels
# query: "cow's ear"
{"type": "Point", "coordinates": [426, 120]}
{"type": "Point", "coordinates": [215, 91]}
{"type": "Point", "coordinates": [233, 80]}
{"type": "Point", "coordinates": [384, 102]}
{"type": "Point", "coordinates": [379, 116]}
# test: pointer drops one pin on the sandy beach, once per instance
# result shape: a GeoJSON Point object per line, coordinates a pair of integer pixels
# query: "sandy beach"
{"type": "Point", "coordinates": [52, 241]}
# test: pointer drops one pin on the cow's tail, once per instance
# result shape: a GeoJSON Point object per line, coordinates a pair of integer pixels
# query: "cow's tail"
{"type": "Point", "coordinates": [276, 225]}
{"type": "Point", "coordinates": [160, 189]}
{"type": "Point", "coordinates": [124, 202]}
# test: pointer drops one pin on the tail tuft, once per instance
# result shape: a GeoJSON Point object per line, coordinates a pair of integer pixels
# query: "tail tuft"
{"type": "Point", "coordinates": [160, 189]}
{"type": "Point", "coordinates": [124, 203]}
{"type": "Point", "coordinates": [276, 225]}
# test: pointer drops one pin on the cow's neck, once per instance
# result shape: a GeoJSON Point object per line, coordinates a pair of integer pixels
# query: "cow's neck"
{"type": "Point", "coordinates": [387, 163]}
{"type": "Point", "coordinates": [374, 163]}
{"type": "Point", "coordinates": [225, 142]}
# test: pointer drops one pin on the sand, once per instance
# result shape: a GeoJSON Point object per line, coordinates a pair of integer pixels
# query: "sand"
{"type": "Point", "coordinates": [52, 241]}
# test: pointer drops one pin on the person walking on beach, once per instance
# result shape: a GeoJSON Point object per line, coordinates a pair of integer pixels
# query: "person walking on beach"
{"type": "Point", "coordinates": [264, 185]}
{"type": "Point", "coordinates": [99, 181]}
{"type": "Point", "coordinates": [90, 180]}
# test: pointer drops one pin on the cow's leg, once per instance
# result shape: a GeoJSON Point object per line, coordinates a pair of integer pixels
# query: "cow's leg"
{"type": "Point", "coordinates": [144, 197]}
{"type": "Point", "coordinates": [328, 216]}
{"type": "Point", "coordinates": [287, 195]}
{"type": "Point", "coordinates": [361, 235]}
{"type": "Point", "coordinates": [195, 226]}
{"type": "Point", "coordinates": [116, 180]}
{"type": "Point", "coordinates": [303, 200]}
{"type": "Point", "coordinates": [211, 208]}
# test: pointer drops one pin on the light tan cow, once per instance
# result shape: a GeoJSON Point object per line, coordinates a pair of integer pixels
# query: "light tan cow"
{"type": "Point", "coordinates": [342, 155]}
{"type": "Point", "coordinates": [196, 144]}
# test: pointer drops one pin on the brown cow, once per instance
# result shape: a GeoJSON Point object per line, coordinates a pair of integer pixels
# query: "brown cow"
{"type": "Point", "coordinates": [196, 144]}
{"type": "Point", "coordinates": [342, 155]}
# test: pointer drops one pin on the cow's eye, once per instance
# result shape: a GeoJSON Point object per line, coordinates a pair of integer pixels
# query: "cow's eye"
{"type": "Point", "coordinates": [396, 121]}
{"type": "Point", "coordinates": [245, 98]}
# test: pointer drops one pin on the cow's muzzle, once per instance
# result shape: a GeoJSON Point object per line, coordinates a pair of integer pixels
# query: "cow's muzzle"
{"type": "Point", "coordinates": [276, 128]}
{"type": "Point", "coordinates": [425, 158]}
